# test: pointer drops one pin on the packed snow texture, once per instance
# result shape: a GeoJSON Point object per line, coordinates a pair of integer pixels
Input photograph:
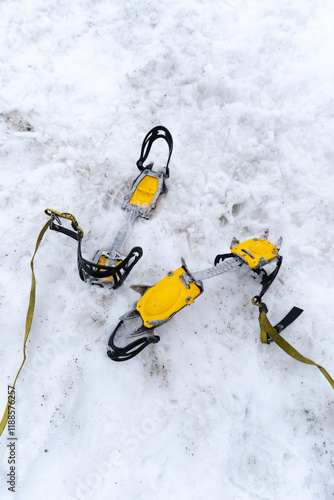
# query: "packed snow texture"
{"type": "Point", "coordinates": [246, 90]}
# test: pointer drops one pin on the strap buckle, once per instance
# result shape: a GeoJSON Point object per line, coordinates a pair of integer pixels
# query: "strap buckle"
{"type": "Point", "coordinates": [57, 216]}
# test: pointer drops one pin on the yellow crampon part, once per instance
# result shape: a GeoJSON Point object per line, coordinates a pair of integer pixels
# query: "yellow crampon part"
{"type": "Point", "coordinates": [255, 251]}
{"type": "Point", "coordinates": [112, 267]}
{"type": "Point", "coordinates": [166, 298]}
{"type": "Point", "coordinates": [103, 261]}
{"type": "Point", "coordinates": [144, 196]}
{"type": "Point", "coordinates": [145, 192]}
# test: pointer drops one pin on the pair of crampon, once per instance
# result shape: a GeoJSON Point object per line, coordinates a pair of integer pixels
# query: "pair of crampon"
{"type": "Point", "coordinates": [159, 303]}
{"type": "Point", "coordinates": [179, 288]}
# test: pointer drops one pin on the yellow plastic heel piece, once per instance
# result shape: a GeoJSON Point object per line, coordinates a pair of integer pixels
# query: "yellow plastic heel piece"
{"type": "Point", "coordinates": [166, 298]}
{"type": "Point", "coordinates": [145, 192]}
{"type": "Point", "coordinates": [251, 251]}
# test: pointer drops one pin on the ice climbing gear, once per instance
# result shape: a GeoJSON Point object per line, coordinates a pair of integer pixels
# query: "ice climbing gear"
{"type": "Point", "coordinates": [111, 267]}
{"type": "Point", "coordinates": [115, 274]}
{"type": "Point", "coordinates": [271, 333]}
{"type": "Point", "coordinates": [256, 253]}
{"type": "Point", "coordinates": [179, 288]}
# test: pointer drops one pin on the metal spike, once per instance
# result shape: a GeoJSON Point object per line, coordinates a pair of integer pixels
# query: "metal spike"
{"type": "Point", "coordinates": [135, 333]}
{"type": "Point", "coordinates": [262, 262]}
{"type": "Point", "coordinates": [140, 288]}
{"type": "Point", "coordinates": [234, 242]}
{"type": "Point", "coordinates": [264, 235]}
{"type": "Point", "coordinates": [278, 244]}
{"type": "Point", "coordinates": [130, 315]}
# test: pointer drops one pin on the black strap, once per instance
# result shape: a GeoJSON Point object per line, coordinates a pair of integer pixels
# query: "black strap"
{"type": "Point", "coordinates": [292, 315]}
{"type": "Point", "coordinates": [289, 318]}
{"type": "Point", "coordinates": [131, 350]}
{"type": "Point", "coordinates": [267, 279]}
{"type": "Point", "coordinates": [86, 268]}
{"type": "Point", "coordinates": [60, 229]}
{"type": "Point", "coordinates": [153, 135]}
{"type": "Point", "coordinates": [222, 256]}
{"type": "Point", "coordinates": [119, 272]}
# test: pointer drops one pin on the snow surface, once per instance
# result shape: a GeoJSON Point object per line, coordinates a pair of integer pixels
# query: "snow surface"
{"type": "Point", "coordinates": [246, 89]}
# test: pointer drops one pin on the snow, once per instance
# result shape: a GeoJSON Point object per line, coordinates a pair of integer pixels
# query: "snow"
{"type": "Point", "coordinates": [246, 90]}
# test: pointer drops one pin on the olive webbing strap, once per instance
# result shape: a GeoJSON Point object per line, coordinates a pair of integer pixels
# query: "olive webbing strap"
{"type": "Point", "coordinates": [29, 318]}
{"type": "Point", "coordinates": [268, 330]}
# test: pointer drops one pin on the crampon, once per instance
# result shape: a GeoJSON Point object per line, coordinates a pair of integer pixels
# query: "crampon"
{"type": "Point", "coordinates": [159, 303]}
{"type": "Point", "coordinates": [112, 266]}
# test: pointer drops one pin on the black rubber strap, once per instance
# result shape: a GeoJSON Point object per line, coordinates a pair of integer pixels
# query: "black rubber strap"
{"type": "Point", "coordinates": [119, 272]}
{"type": "Point", "coordinates": [266, 280]}
{"type": "Point", "coordinates": [64, 230]}
{"type": "Point", "coordinates": [131, 350]}
{"type": "Point", "coordinates": [288, 319]}
{"type": "Point", "coordinates": [86, 268]}
{"type": "Point", "coordinates": [222, 256]}
{"type": "Point", "coordinates": [159, 132]}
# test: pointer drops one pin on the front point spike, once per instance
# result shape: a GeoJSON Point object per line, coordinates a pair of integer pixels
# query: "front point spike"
{"type": "Point", "coordinates": [140, 288]}
{"type": "Point", "coordinates": [234, 242]}
{"type": "Point", "coordinates": [264, 235]}
{"type": "Point", "coordinates": [278, 244]}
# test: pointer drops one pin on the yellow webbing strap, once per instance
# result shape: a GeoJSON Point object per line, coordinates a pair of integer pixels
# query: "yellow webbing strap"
{"type": "Point", "coordinates": [54, 214]}
{"type": "Point", "coordinates": [31, 307]}
{"type": "Point", "coordinates": [30, 314]}
{"type": "Point", "coordinates": [267, 329]}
